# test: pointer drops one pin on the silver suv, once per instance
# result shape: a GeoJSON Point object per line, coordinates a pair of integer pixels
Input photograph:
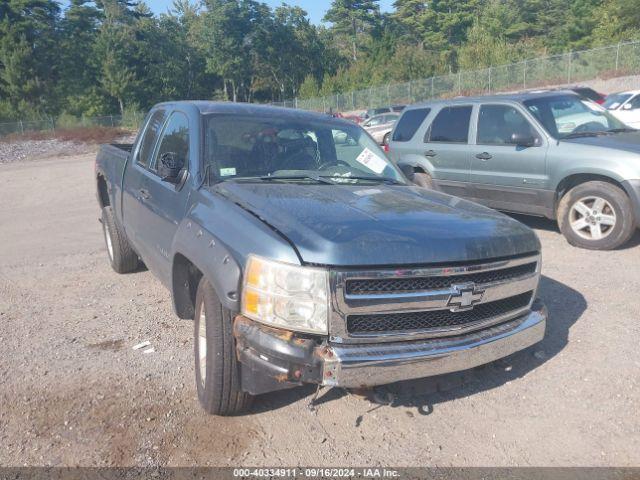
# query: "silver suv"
{"type": "Point", "coordinates": [550, 154]}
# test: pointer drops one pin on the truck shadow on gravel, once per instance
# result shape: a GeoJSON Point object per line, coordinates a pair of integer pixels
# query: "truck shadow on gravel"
{"type": "Point", "coordinates": [565, 305]}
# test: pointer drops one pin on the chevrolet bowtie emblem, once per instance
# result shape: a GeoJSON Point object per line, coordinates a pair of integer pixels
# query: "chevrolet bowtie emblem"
{"type": "Point", "coordinates": [465, 296]}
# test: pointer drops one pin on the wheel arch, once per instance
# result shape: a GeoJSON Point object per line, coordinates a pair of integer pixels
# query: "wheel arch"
{"type": "Point", "coordinates": [197, 254]}
{"type": "Point", "coordinates": [420, 165]}
{"type": "Point", "coordinates": [102, 191]}
{"type": "Point", "coordinates": [185, 279]}
{"type": "Point", "coordinates": [575, 179]}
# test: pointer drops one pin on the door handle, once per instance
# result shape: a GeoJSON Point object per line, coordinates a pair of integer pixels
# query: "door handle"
{"type": "Point", "coordinates": [144, 194]}
{"type": "Point", "coordinates": [484, 156]}
{"type": "Point", "coordinates": [430, 153]}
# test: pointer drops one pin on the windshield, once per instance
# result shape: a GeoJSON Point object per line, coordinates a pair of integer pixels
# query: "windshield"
{"type": "Point", "coordinates": [565, 116]}
{"type": "Point", "coordinates": [615, 100]}
{"type": "Point", "coordinates": [268, 148]}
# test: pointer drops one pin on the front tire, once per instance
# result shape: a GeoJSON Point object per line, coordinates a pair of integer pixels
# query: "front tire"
{"type": "Point", "coordinates": [216, 364]}
{"type": "Point", "coordinates": [122, 257]}
{"type": "Point", "coordinates": [596, 216]}
{"type": "Point", "coordinates": [423, 180]}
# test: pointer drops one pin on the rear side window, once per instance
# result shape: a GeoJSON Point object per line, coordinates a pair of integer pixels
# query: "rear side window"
{"type": "Point", "coordinates": [409, 124]}
{"type": "Point", "coordinates": [175, 139]}
{"type": "Point", "coordinates": [451, 125]}
{"type": "Point", "coordinates": [150, 136]}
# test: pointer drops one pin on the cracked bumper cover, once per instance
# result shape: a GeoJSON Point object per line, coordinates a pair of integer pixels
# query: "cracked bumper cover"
{"type": "Point", "coordinates": [273, 359]}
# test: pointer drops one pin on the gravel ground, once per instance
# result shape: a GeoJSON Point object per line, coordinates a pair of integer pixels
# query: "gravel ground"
{"type": "Point", "coordinates": [73, 392]}
{"type": "Point", "coordinates": [36, 149]}
{"type": "Point", "coordinates": [20, 151]}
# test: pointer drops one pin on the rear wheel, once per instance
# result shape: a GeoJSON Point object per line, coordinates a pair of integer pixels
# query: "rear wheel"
{"type": "Point", "coordinates": [217, 367]}
{"type": "Point", "coordinates": [122, 257]}
{"type": "Point", "coordinates": [385, 139]}
{"type": "Point", "coordinates": [596, 215]}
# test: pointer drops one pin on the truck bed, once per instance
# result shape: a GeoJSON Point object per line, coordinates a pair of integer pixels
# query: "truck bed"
{"type": "Point", "coordinates": [110, 164]}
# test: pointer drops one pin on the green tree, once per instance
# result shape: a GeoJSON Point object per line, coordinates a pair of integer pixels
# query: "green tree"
{"type": "Point", "coordinates": [618, 20]}
{"type": "Point", "coordinates": [78, 72]}
{"type": "Point", "coordinates": [353, 18]}
{"type": "Point", "coordinates": [115, 49]}
{"type": "Point", "coordinates": [227, 43]}
{"type": "Point", "coordinates": [309, 88]}
{"type": "Point", "coordinates": [28, 61]}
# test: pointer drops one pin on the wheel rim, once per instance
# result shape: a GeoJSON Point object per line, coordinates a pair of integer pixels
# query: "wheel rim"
{"type": "Point", "coordinates": [107, 238]}
{"type": "Point", "coordinates": [592, 218]}
{"type": "Point", "coordinates": [202, 345]}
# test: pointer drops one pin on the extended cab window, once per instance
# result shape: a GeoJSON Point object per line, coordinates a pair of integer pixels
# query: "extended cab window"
{"type": "Point", "coordinates": [497, 125]}
{"type": "Point", "coordinates": [451, 125]}
{"type": "Point", "coordinates": [409, 124]}
{"type": "Point", "coordinates": [175, 139]}
{"type": "Point", "coordinates": [151, 132]}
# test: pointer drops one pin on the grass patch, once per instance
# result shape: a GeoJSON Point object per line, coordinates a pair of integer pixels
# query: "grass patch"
{"type": "Point", "coordinates": [77, 135]}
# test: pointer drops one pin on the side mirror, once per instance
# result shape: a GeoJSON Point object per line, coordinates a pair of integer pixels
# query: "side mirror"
{"type": "Point", "coordinates": [523, 140]}
{"type": "Point", "coordinates": [170, 166]}
{"type": "Point", "coordinates": [627, 106]}
{"type": "Point", "coordinates": [407, 170]}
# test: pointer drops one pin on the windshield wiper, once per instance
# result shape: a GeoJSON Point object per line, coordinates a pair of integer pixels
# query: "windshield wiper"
{"type": "Point", "coordinates": [339, 179]}
{"type": "Point", "coordinates": [622, 130]}
{"type": "Point", "coordinates": [270, 178]}
{"type": "Point", "coordinates": [583, 134]}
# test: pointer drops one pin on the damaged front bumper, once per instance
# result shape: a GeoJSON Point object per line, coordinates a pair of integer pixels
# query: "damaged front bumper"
{"type": "Point", "coordinates": [273, 359]}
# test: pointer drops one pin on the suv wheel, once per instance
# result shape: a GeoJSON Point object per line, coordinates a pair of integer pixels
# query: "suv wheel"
{"type": "Point", "coordinates": [423, 180]}
{"type": "Point", "coordinates": [217, 367]}
{"type": "Point", "coordinates": [596, 215]}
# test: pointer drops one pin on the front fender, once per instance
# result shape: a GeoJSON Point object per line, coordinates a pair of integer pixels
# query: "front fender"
{"type": "Point", "coordinates": [212, 258]}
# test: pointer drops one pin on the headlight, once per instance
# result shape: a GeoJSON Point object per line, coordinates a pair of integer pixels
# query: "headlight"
{"type": "Point", "coordinates": [287, 296]}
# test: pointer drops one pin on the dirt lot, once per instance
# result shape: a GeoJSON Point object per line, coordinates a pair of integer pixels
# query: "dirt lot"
{"type": "Point", "coordinates": [73, 392]}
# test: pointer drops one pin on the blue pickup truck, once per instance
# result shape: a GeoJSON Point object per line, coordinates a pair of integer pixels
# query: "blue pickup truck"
{"type": "Point", "coordinates": [304, 255]}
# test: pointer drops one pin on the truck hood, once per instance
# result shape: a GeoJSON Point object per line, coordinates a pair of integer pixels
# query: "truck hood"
{"type": "Point", "coordinates": [627, 141]}
{"type": "Point", "coordinates": [356, 225]}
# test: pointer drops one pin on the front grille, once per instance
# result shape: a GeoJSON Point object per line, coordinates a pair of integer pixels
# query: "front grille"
{"type": "Point", "coordinates": [430, 319]}
{"type": "Point", "coordinates": [415, 284]}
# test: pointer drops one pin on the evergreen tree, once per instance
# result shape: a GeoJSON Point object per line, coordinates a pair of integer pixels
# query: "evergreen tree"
{"type": "Point", "coordinates": [353, 18]}
{"type": "Point", "coordinates": [28, 61]}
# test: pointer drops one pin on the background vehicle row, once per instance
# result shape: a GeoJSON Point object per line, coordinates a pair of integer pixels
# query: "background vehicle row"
{"type": "Point", "coordinates": [551, 154]}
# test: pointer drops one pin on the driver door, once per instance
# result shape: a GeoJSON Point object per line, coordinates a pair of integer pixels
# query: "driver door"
{"type": "Point", "coordinates": [165, 203]}
{"type": "Point", "coordinates": [504, 175]}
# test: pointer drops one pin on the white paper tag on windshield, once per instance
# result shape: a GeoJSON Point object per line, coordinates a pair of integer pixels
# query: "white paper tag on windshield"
{"type": "Point", "coordinates": [372, 161]}
{"type": "Point", "coordinates": [225, 172]}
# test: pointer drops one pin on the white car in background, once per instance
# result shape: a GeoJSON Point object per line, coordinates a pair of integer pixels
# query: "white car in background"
{"type": "Point", "coordinates": [625, 106]}
{"type": "Point", "coordinates": [380, 126]}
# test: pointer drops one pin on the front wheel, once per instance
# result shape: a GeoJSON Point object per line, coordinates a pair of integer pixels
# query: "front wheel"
{"type": "Point", "coordinates": [386, 138]}
{"type": "Point", "coordinates": [217, 367]}
{"type": "Point", "coordinates": [596, 216]}
{"type": "Point", "coordinates": [423, 180]}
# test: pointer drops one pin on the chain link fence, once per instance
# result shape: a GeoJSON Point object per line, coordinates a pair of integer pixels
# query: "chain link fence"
{"type": "Point", "coordinates": [51, 124]}
{"type": "Point", "coordinates": [568, 68]}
